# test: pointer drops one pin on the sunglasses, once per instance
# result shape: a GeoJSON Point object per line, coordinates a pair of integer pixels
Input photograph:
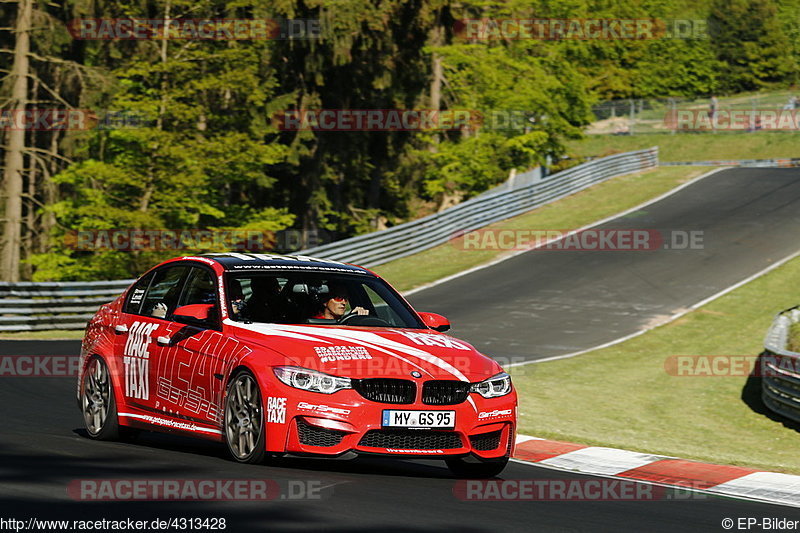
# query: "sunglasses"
{"type": "Point", "coordinates": [339, 298]}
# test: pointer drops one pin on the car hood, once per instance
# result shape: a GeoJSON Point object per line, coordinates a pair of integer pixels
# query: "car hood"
{"type": "Point", "coordinates": [363, 352]}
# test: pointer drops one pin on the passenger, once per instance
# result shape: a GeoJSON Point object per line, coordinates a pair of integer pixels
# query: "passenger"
{"type": "Point", "coordinates": [264, 304]}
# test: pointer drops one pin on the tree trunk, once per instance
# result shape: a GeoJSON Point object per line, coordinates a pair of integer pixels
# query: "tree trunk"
{"type": "Point", "coordinates": [14, 164]}
{"type": "Point", "coordinates": [436, 81]}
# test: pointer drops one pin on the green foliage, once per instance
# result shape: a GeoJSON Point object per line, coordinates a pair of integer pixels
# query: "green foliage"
{"type": "Point", "coordinates": [209, 155]}
{"type": "Point", "coordinates": [750, 42]}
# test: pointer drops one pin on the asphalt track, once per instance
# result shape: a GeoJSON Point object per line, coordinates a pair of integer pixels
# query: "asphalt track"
{"type": "Point", "coordinates": [545, 303]}
{"type": "Point", "coordinates": [43, 449]}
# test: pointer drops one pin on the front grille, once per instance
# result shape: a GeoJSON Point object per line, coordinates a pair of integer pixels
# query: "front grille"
{"type": "Point", "coordinates": [410, 439]}
{"type": "Point", "coordinates": [386, 390]}
{"type": "Point", "coordinates": [315, 436]}
{"type": "Point", "coordinates": [485, 441]}
{"type": "Point", "coordinates": [444, 392]}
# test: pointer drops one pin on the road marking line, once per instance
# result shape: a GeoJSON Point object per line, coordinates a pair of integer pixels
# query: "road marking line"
{"type": "Point", "coordinates": [588, 226]}
{"type": "Point", "coordinates": [666, 320]}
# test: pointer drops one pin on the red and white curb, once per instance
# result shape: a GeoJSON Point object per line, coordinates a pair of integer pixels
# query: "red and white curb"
{"type": "Point", "coordinates": [733, 481]}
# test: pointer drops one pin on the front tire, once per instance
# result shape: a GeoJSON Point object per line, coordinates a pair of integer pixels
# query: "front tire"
{"type": "Point", "coordinates": [98, 405]}
{"type": "Point", "coordinates": [482, 470]}
{"type": "Point", "coordinates": [244, 429]}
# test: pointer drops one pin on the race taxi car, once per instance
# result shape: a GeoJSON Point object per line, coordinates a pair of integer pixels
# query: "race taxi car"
{"type": "Point", "coordinates": [277, 355]}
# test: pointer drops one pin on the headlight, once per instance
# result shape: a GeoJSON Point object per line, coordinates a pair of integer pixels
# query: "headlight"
{"type": "Point", "coordinates": [495, 386]}
{"type": "Point", "coordinates": [310, 380]}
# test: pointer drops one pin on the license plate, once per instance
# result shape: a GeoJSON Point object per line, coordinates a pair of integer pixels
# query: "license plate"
{"type": "Point", "coordinates": [419, 419]}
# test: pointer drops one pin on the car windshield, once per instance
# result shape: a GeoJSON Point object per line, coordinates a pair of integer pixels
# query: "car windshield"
{"type": "Point", "coordinates": [317, 298]}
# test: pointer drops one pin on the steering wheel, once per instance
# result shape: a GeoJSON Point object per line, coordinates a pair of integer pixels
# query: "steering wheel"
{"type": "Point", "coordinates": [367, 319]}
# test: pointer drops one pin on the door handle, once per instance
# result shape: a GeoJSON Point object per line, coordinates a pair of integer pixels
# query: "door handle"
{"type": "Point", "coordinates": [121, 328]}
{"type": "Point", "coordinates": [163, 340]}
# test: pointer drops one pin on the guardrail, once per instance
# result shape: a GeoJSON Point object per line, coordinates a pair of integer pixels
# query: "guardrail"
{"type": "Point", "coordinates": [31, 306]}
{"type": "Point", "coordinates": [780, 387]}
{"type": "Point", "coordinates": [785, 162]}
{"type": "Point", "coordinates": [68, 305]}
{"type": "Point", "coordinates": [374, 249]}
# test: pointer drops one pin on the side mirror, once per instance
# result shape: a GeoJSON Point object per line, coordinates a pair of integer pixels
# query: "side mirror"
{"type": "Point", "coordinates": [193, 312]}
{"type": "Point", "coordinates": [435, 322]}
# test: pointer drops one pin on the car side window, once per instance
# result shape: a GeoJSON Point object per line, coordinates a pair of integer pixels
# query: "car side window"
{"type": "Point", "coordinates": [200, 288]}
{"type": "Point", "coordinates": [134, 303]}
{"type": "Point", "coordinates": [162, 296]}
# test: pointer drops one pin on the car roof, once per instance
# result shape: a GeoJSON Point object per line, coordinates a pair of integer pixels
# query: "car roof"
{"type": "Point", "coordinates": [237, 262]}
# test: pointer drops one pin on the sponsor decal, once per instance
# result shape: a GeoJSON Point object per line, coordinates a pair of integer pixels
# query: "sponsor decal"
{"type": "Point", "coordinates": [431, 339]}
{"type": "Point", "coordinates": [193, 400]}
{"type": "Point", "coordinates": [493, 414]}
{"type": "Point", "coordinates": [222, 299]}
{"type": "Point", "coordinates": [276, 410]}
{"type": "Point", "coordinates": [341, 353]}
{"type": "Point", "coordinates": [188, 426]}
{"type": "Point", "coordinates": [137, 360]}
{"type": "Point", "coordinates": [322, 408]}
{"type": "Point", "coordinates": [393, 450]}
{"type": "Point", "coordinates": [137, 295]}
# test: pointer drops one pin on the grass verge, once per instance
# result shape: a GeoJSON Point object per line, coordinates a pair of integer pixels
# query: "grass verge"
{"type": "Point", "coordinates": [56, 334]}
{"type": "Point", "coordinates": [694, 146]}
{"type": "Point", "coordinates": [623, 397]}
{"type": "Point", "coordinates": [592, 204]}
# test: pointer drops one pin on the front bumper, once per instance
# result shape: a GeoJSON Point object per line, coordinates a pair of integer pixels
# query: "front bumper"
{"type": "Point", "coordinates": [332, 425]}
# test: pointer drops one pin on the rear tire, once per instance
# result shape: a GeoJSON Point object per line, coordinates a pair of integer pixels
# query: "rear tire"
{"type": "Point", "coordinates": [244, 430]}
{"type": "Point", "coordinates": [482, 470]}
{"type": "Point", "coordinates": [98, 405]}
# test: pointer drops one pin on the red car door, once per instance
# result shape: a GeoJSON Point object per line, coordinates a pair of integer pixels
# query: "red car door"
{"type": "Point", "coordinates": [192, 364]}
{"type": "Point", "coordinates": [142, 323]}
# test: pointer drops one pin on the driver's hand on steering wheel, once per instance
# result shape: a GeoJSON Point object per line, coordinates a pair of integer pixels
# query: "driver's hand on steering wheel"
{"type": "Point", "coordinates": [360, 311]}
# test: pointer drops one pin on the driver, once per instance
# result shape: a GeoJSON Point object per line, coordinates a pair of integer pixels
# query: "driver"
{"type": "Point", "coordinates": [334, 304]}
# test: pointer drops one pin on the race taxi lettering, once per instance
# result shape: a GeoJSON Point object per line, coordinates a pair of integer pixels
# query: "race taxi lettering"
{"type": "Point", "coordinates": [494, 414]}
{"type": "Point", "coordinates": [431, 339]}
{"type": "Point", "coordinates": [322, 408]}
{"type": "Point", "coordinates": [341, 353]}
{"type": "Point", "coordinates": [137, 360]}
{"type": "Point", "coordinates": [276, 410]}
